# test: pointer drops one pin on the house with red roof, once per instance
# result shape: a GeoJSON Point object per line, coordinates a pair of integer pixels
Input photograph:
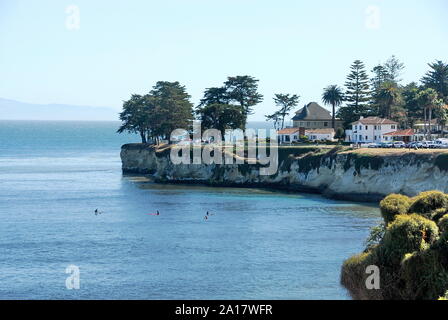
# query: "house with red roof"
{"type": "Point", "coordinates": [405, 135]}
{"type": "Point", "coordinates": [371, 130]}
{"type": "Point", "coordinates": [289, 135]}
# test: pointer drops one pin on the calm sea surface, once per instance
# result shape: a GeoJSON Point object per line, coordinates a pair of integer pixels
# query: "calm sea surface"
{"type": "Point", "coordinates": [258, 244]}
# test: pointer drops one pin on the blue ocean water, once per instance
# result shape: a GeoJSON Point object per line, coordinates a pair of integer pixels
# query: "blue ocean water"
{"type": "Point", "coordinates": [259, 244]}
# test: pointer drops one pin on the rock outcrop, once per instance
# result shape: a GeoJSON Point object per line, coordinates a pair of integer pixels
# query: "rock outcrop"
{"type": "Point", "coordinates": [336, 173]}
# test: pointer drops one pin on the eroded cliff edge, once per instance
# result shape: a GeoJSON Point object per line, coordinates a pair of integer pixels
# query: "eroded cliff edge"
{"type": "Point", "coordinates": [359, 175]}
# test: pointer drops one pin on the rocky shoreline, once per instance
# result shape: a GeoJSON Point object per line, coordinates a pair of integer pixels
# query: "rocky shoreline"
{"type": "Point", "coordinates": [335, 173]}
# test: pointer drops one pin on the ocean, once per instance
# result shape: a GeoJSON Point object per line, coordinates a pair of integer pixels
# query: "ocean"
{"type": "Point", "coordinates": [258, 244]}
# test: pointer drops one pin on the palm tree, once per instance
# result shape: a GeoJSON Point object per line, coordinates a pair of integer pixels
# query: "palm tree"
{"type": "Point", "coordinates": [388, 95]}
{"type": "Point", "coordinates": [333, 95]}
{"type": "Point", "coordinates": [428, 100]}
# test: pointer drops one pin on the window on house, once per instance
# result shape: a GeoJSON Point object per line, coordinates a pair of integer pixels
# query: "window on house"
{"type": "Point", "coordinates": [367, 127]}
{"type": "Point", "coordinates": [325, 124]}
{"type": "Point", "coordinates": [295, 137]}
{"type": "Point", "coordinates": [374, 127]}
{"type": "Point", "coordinates": [367, 138]}
{"type": "Point", "coordinates": [360, 137]}
{"type": "Point", "coordinates": [374, 138]}
{"type": "Point", "coordinates": [307, 124]}
{"type": "Point", "coordinates": [287, 138]}
{"type": "Point", "coordinates": [392, 127]}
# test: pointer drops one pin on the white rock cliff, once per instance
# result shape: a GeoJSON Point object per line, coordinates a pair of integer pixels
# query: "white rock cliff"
{"type": "Point", "coordinates": [343, 175]}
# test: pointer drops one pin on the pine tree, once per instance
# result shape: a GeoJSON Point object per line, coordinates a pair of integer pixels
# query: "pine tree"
{"type": "Point", "coordinates": [437, 78]}
{"type": "Point", "coordinates": [357, 94]}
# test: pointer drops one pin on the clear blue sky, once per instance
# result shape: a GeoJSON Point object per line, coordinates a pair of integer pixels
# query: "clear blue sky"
{"type": "Point", "coordinates": [125, 47]}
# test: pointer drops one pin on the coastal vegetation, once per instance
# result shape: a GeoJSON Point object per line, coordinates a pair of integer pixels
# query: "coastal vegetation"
{"type": "Point", "coordinates": [167, 106]}
{"type": "Point", "coordinates": [155, 115]}
{"type": "Point", "coordinates": [410, 249]}
{"type": "Point", "coordinates": [384, 96]}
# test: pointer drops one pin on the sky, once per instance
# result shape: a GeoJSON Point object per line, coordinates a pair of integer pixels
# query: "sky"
{"type": "Point", "coordinates": [98, 53]}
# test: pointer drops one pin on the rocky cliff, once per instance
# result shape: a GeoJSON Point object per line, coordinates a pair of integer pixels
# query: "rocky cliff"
{"type": "Point", "coordinates": [361, 175]}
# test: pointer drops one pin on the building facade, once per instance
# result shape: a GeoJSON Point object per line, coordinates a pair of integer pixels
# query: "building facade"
{"type": "Point", "coordinates": [320, 134]}
{"type": "Point", "coordinates": [370, 130]}
{"type": "Point", "coordinates": [288, 135]}
{"type": "Point", "coordinates": [313, 116]}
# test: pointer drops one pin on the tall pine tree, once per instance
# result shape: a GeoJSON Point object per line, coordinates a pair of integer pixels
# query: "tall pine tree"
{"type": "Point", "coordinates": [357, 94]}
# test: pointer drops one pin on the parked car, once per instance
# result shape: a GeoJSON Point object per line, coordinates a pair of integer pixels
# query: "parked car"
{"type": "Point", "coordinates": [423, 144]}
{"type": "Point", "coordinates": [374, 145]}
{"type": "Point", "coordinates": [386, 144]}
{"type": "Point", "coordinates": [432, 144]}
{"type": "Point", "coordinates": [441, 143]}
{"type": "Point", "coordinates": [412, 145]}
{"type": "Point", "coordinates": [398, 144]}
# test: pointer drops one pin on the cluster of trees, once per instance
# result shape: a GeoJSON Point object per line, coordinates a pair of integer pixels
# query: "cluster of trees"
{"type": "Point", "coordinates": [155, 115]}
{"type": "Point", "coordinates": [380, 95]}
{"type": "Point", "coordinates": [167, 107]}
{"type": "Point", "coordinates": [383, 95]}
{"type": "Point", "coordinates": [228, 106]}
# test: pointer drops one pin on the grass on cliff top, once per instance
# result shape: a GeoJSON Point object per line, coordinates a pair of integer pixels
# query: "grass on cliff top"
{"type": "Point", "coordinates": [388, 152]}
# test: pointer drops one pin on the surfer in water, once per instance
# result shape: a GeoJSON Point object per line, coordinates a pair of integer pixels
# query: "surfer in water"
{"type": "Point", "coordinates": [157, 214]}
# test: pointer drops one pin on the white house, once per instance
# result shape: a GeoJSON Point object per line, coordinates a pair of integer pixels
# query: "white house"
{"type": "Point", "coordinates": [320, 134]}
{"type": "Point", "coordinates": [288, 135]}
{"type": "Point", "coordinates": [370, 129]}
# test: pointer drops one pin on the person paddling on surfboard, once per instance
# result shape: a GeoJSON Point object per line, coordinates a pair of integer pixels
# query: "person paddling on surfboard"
{"type": "Point", "coordinates": [96, 211]}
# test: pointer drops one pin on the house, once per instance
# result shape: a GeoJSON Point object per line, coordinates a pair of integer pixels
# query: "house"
{"type": "Point", "coordinates": [422, 131]}
{"type": "Point", "coordinates": [313, 116]}
{"type": "Point", "coordinates": [406, 135]}
{"type": "Point", "coordinates": [288, 135]}
{"type": "Point", "coordinates": [370, 129]}
{"type": "Point", "coordinates": [320, 134]}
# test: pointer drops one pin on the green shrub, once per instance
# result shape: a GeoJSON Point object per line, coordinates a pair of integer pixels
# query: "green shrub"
{"type": "Point", "coordinates": [437, 214]}
{"type": "Point", "coordinates": [443, 223]}
{"type": "Point", "coordinates": [424, 275]}
{"type": "Point", "coordinates": [353, 276]}
{"type": "Point", "coordinates": [412, 255]}
{"type": "Point", "coordinates": [393, 205]}
{"type": "Point", "coordinates": [408, 233]}
{"type": "Point", "coordinates": [427, 202]}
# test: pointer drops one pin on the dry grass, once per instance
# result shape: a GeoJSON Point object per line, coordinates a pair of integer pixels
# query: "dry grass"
{"type": "Point", "coordinates": [381, 151]}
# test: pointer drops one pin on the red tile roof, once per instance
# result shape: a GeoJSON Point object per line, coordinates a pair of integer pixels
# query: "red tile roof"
{"type": "Point", "coordinates": [374, 120]}
{"type": "Point", "coordinates": [400, 133]}
{"type": "Point", "coordinates": [288, 131]}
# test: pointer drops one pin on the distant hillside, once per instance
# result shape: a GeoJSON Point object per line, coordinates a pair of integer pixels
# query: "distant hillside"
{"type": "Point", "coordinates": [16, 110]}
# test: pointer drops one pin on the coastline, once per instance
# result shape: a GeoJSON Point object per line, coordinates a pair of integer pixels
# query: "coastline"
{"type": "Point", "coordinates": [351, 175]}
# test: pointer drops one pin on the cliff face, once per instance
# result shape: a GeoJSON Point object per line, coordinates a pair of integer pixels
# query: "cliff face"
{"type": "Point", "coordinates": [345, 175]}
